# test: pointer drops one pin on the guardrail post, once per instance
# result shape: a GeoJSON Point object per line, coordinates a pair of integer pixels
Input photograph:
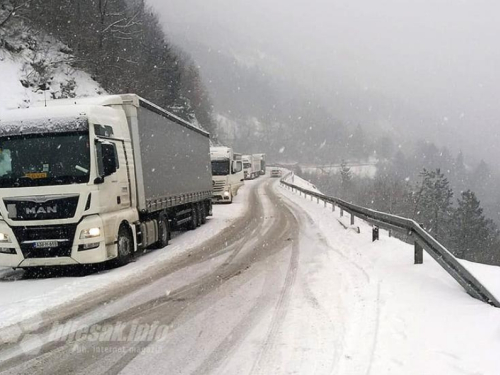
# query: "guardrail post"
{"type": "Point", "coordinates": [419, 253]}
{"type": "Point", "coordinates": [341, 211]}
{"type": "Point", "coordinates": [324, 203]}
{"type": "Point", "coordinates": [333, 207]}
{"type": "Point", "coordinates": [311, 198]}
{"type": "Point", "coordinates": [317, 200]}
{"type": "Point", "coordinates": [375, 234]}
{"type": "Point", "coordinates": [390, 233]}
{"type": "Point", "coordinates": [352, 219]}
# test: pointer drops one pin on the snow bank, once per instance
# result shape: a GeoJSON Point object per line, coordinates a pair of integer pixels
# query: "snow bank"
{"type": "Point", "coordinates": [416, 320]}
{"type": "Point", "coordinates": [300, 182]}
{"type": "Point", "coordinates": [489, 276]}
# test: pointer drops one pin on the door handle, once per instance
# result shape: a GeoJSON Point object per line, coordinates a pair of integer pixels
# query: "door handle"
{"type": "Point", "coordinates": [118, 200]}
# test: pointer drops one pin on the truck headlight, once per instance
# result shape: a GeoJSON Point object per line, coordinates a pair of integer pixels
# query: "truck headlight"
{"type": "Point", "coordinates": [226, 193]}
{"type": "Point", "coordinates": [90, 233]}
{"type": "Point", "coordinates": [4, 238]}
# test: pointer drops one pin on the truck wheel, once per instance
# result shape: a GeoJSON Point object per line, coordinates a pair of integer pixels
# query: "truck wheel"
{"type": "Point", "coordinates": [199, 212]}
{"type": "Point", "coordinates": [125, 246]}
{"type": "Point", "coordinates": [163, 232]}
{"type": "Point", "coordinates": [203, 213]}
{"type": "Point", "coordinates": [193, 224]}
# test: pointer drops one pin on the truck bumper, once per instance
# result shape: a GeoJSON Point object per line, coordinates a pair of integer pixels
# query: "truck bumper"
{"type": "Point", "coordinates": [221, 197]}
{"type": "Point", "coordinates": [82, 251]}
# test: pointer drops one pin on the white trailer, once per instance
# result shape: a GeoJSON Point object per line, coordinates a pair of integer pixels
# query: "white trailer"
{"type": "Point", "coordinates": [86, 181]}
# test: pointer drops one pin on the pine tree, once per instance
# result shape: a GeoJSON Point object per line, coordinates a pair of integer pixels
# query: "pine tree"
{"type": "Point", "coordinates": [470, 229]}
{"type": "Point", "coordinates": [433, 203]}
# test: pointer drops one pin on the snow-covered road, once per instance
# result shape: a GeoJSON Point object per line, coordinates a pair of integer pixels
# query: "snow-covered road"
{"type": "Point", "coordinates": [272, 285]}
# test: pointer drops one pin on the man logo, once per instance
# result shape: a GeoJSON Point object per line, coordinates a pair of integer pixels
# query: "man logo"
{"type": "Point", "coordinates": [41, 210]}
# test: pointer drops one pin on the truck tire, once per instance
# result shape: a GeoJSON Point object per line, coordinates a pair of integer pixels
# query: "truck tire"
{"type": "Point", "coordinates": [163, 232]}
{"type": "Point", "coordinates": [193, 223]}
{"type": "Point", "coordinates": [125, 245]}
{"type": "Point", "coordinates": [199, 212]}
{"type": "Point", "coordinates": [203, 213]}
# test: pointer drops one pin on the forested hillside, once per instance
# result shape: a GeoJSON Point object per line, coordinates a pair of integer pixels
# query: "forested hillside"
{"type": "Point", "coordinates": [119, 43]}
{"type": "Point", "coordinates": [455, 201]}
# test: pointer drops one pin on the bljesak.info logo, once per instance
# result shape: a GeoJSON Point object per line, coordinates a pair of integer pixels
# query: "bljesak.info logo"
{"type": "Point", "coordinates": [122, 337]}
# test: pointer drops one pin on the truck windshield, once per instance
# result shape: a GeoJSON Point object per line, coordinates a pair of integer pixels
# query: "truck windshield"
{"type": "Point", "coordinates": [247, 165]}
{"type": "Point", "coordinates": [44, 159]}
{"type": "Point", "coordinates": [220, 167]}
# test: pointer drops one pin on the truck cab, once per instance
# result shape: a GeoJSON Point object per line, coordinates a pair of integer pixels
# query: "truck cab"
{"type": "Point", "coordinates": [63, 171]}
{"type": "Point", "coordinates": [227, 173]}
{"type": "Point", "coordinates": [248, 170]}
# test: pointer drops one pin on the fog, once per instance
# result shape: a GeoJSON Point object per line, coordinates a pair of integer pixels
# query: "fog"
{"type": "Point", "coordinates": [421, 68]}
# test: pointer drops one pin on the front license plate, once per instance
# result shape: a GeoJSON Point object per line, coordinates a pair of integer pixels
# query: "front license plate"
{"type": "Point", "coordinates": [45, 244]}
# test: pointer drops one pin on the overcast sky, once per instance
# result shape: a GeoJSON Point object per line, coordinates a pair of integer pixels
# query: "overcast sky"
{"type": "Point", "coordinates": [438, 59]}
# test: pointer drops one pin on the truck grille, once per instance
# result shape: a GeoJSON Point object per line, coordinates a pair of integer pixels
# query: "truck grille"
{"type": "Point", "coordinates": [64, 233]}
{"type": "Point", "coordinates": [218, 186]}
{"type": "Point", "coordinates": [34, 208]}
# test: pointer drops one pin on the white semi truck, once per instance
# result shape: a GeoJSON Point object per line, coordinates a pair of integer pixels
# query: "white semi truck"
{"type": "Point", "coordinates": [85, 181]}
{"type": "Point", "coordinates": [251, 166]}
{"type": "Point", "coordinates": [227, 173]}
{"type": "Point", "coordinates": [260, 160]}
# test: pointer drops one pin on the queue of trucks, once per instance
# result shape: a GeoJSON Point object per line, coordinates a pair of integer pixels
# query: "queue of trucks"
{"type": "Point", "coordinates": [94, 180]}
{"type": "Point", "coordinates": [254, 166]}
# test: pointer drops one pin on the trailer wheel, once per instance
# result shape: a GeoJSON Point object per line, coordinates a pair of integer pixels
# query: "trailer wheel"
{"type": "Point", "coordinates": [193, 223]}
{"type": "Point", "coordinates": [163, 232]}
{"type": "Point", "coordinates": [125, 246]}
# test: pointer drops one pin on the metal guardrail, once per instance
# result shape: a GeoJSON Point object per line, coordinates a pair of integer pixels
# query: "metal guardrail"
{"type": "Point", "coordinates": [422, 241]}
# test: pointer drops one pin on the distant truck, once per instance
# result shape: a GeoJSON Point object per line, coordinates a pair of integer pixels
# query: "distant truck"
{"type": "Point", "coordinates": [86, 181]}
{"type": "Point", "coordinates": [251, 166]}
{"type": "Point", "coordinates": [261, 162]}
{"type": "Point", "coordinates": [227, 173]}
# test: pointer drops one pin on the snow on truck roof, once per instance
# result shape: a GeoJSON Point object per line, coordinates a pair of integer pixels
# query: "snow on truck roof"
{"type": "Point", "coordinates": [54, 119]}
{"type": "Point", "coordinates": [124, 99]}
{"type": "Point", "coordinates": [77, 107]}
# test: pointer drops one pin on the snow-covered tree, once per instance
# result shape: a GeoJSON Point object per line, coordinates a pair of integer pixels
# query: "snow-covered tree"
{"type": "Point", "coordinates": [433, 203]}
{"type": "Point", "coordinates": [473, 236]}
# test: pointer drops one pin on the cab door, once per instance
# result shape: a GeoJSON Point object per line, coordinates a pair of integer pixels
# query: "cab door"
{"type": "Point", "coordinates": [237, 175]}
{"type": "Point", "coordinates": [114, 189]}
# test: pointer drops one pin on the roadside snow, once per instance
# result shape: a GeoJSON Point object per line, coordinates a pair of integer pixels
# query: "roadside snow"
{"type": "Point", "coordinates": [12, 93]}
{"type": "Point", "coordinates": [393, 317]}
{"type": "Point", "coordinates": [21, 299]}
{"type": "Point", "coordinates": [300, 182]}
{"type": "Point", "coordinates": [62, 79]}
